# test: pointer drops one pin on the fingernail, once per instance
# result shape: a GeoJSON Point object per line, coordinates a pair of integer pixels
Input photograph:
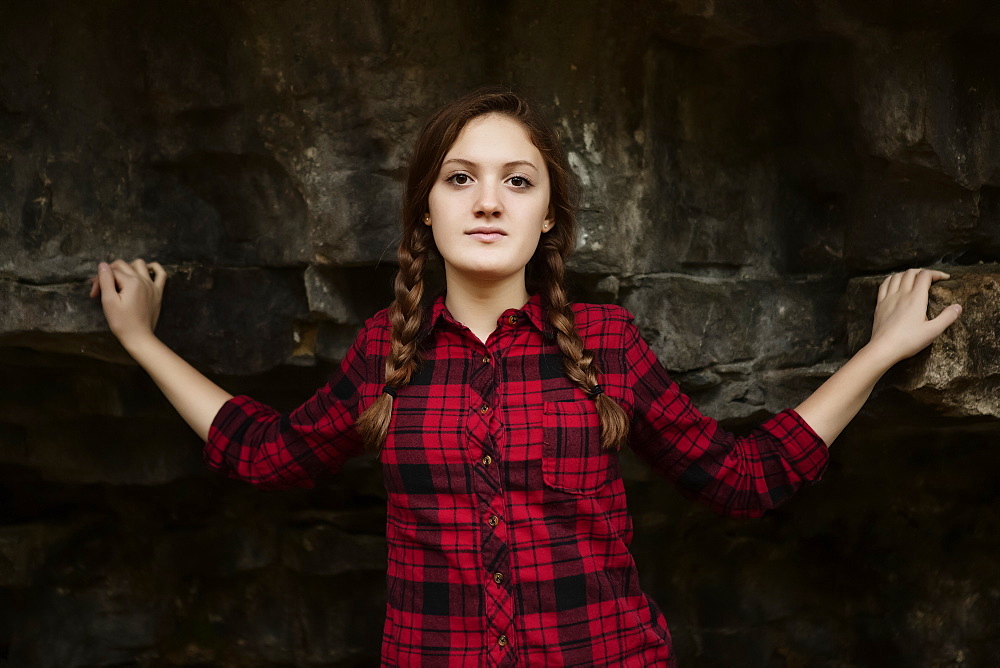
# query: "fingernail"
{"type": "Point", "coordinates": [957, 307]}
{"type": "Point", "coordinates": [102, 266]}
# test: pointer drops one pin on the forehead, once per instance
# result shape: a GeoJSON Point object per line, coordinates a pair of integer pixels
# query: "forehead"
{"type": "Point", "coordinates": [494, 138]}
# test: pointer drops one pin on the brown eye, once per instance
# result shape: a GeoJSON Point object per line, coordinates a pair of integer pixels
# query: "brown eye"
{"type": "Point", "coordinates": [519, 182]}
{"type": "Point", "coordinates": [459, 179]}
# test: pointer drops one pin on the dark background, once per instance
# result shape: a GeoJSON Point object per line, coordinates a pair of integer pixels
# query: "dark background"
{"type": "Point", "coordinates": [743, 163]}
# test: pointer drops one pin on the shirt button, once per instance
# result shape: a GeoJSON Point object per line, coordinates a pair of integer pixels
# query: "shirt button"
{"type": "Point", "coordinates": [494, 520]}
{"type": "Point", "coordinates": [498, 578]}
{"type": "Point", "coordinates": [502, 640]}
{"type": "Point", "coordinates": [512, 319]}
{"type": "Point", "coordinates": [486, 359]}
{"type": "Point", "coordinates": [487, 460]}
{"type": "Point", "coordinates": [484, 409]}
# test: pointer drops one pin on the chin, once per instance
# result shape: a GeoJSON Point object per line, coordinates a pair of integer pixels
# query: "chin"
{"type": "Point", "coordinates": [487, 272]}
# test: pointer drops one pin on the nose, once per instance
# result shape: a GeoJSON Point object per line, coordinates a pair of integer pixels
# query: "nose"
{"type": "Point", "coordinates": [488, 203]}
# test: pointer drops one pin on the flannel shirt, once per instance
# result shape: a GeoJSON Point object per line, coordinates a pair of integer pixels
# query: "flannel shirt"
{"type": "Point", "coordinates": [507, 528]}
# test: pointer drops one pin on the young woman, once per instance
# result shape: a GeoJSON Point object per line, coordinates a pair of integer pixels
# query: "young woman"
{"type": "Point", "coordinates": [497, 411]}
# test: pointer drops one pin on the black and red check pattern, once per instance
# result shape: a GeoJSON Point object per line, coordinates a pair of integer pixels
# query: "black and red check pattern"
{"type": "Point", "coordinates": [507, 527]}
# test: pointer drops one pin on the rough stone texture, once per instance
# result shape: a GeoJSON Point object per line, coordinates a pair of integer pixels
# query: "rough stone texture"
{"type": "Point", "coordinates": [749, 171]}
{"type": "Point", "coordinates": [226, 307]}
{"type": "Point", "coordinates": [960, 372]}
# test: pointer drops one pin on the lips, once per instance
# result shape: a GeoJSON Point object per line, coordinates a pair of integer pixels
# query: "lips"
{"type": "Point", "coordinates": [486, 233]}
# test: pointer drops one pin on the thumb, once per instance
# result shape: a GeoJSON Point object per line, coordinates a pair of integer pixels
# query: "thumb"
{"type": "Point", "coordinates": [945, 319]}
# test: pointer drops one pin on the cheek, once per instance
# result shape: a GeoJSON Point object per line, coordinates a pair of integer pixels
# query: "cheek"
{"type": "Point", "coordinates": [529, 246]}
{"type": "Point", "coordinates": [432, 204]}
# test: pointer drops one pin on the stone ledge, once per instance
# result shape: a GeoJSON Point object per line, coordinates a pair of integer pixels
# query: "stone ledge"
{"type": "Point", "coordinates": [230, 320]}
{"type": "Point", "coordinates": [959, 373]}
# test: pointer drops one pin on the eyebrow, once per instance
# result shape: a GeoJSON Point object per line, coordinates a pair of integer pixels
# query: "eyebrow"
{"type": "Point", "coordinates": [506, 165]}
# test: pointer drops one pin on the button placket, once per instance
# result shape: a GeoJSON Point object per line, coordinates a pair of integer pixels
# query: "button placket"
{"type": "Point", "coordinates": [486, 422]}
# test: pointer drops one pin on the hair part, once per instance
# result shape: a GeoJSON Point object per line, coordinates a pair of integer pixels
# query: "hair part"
{"type": "Point", "coordinates": [544, 273]}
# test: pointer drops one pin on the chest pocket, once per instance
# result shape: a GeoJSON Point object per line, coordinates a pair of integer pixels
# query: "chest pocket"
{"type": "Point", "coordinates": [572, 458]}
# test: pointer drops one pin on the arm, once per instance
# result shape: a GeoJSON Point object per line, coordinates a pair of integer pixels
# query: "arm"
{"type": "Point", "coordinates": [131, 303]}
{"type": "Point", "coordinates": [244, 438]}
{"type": "Point", "coordinates": [735, 476]}
{"type": "Point", "coordinates": [745, 476]}
{"type": "Point", "coordinates": [901, 329]}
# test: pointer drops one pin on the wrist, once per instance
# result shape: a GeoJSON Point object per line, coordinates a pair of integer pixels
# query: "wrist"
{"type": "Point", "coordinates": [136, 343]}
{"type": "Point", "coordinates": [879, 355]}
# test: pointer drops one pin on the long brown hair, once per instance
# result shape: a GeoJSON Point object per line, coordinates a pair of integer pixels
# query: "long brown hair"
{"type": "Point", "coordinates": [545, 271]}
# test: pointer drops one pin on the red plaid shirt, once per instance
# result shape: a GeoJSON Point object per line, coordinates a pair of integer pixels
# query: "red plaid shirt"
{"type": "Point", "coordinates": [507, 528]}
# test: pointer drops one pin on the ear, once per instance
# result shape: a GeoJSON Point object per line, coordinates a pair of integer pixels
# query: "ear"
{"type": "Point", "coordinates": [550, 220]}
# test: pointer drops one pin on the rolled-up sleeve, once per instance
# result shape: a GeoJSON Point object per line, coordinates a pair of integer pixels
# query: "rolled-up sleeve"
{"type": "Point", "coordinates": [736, 476]}
{"type": "Point", "coordinates": [253, 442]}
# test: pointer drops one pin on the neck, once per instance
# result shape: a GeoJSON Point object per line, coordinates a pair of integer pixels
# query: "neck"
{"type": "Point", "coordinates": [477, 305]}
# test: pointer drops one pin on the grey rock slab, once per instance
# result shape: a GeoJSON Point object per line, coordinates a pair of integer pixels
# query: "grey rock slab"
{"type": "Point", "coordinates": [930, 99]}
{"type": "Point", "coordinates": [230, 320]}
{"type": "Point", "coordinates": [695, 322]}
{"type": "Point", "coordinates": [741, 394]}
{"type": "Point", "coordinates": [899, 218]}
{"type": "Point", "coordinates": [328, 295]}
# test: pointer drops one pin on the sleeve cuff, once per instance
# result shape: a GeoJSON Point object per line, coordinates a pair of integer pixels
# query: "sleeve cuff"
{"type": "Point", "coordinates": [805, 451]}
{"type": "Point", "coordinates": [228, 427]}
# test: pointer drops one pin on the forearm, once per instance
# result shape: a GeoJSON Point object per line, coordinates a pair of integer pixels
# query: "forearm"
{"type": "Point", "coordinates": [835, 403]}
{"type": "Point", "coordinates": [195, 397]}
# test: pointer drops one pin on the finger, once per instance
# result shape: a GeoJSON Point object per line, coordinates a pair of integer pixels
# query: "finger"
{"type": "Point", "coordinates": [928, 276]}
{"type": "Point", "coordinates": [122, 268]}
{"type": "Point", "coordinates": [106, 278]}
{"type": "Point", "coordinates": [140, 268]}
{"type": "Point", "coordinates": [908, 278]}
{"type": "Point", "coordinates": [924, 280]}
{"type": "Point", "coordinates": [945, 319]}
{"type": "Point", "coordinates": [883, 288]}
{"type": "Point", "coordinates": [894, 281]}
{"type": "Point", "coordinates": [159, 274]}
{"type": "Point", "coordinates": [95, 287]}
{"type": "Point", "coordinates": [937, 275]}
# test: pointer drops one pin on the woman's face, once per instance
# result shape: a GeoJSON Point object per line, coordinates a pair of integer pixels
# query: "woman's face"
{"type": "Point", "coordinates": [490, 203]}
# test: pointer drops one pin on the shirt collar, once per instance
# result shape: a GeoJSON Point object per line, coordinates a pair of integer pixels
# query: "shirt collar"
{"type": "Point", "coordinates": [533, 310]}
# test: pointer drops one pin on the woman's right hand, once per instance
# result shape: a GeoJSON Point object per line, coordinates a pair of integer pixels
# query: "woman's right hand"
{"type": "Point", "coordinates": [130, 297]}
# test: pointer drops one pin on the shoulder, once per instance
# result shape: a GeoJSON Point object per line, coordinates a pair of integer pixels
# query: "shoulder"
{"type": "Point", "coordinates": [379, 321]}
{"type": "Point", "coordinates": [588, 315]}
{"type": "Point", "coordinates": [376, 333]}
{"type": "Point", "coordinates": [602, 320]}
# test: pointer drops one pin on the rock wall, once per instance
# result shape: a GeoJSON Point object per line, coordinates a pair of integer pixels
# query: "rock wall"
{"type": "Point", "coordinates": [749, 173]}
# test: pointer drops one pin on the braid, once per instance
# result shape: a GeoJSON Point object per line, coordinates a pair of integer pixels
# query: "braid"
{"type": "Point", "coordinates": [406, 316]}
{"type": "Point", "coordinates": [577, 361]}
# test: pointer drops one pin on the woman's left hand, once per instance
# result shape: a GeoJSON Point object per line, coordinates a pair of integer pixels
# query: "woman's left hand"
{"type": "Point", "coordinates": [901, 327]}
